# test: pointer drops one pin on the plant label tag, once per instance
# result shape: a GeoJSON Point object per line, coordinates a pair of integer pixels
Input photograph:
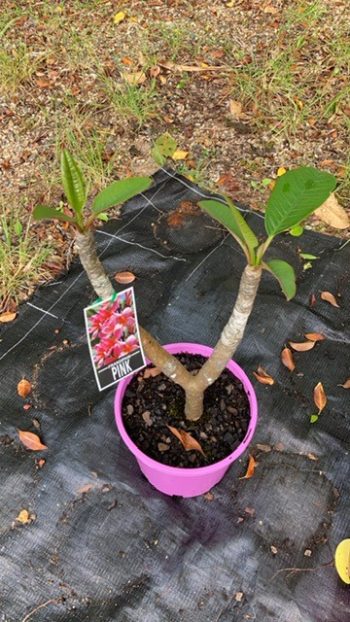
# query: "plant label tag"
{"type": "Point", "coordinates": [113, 337]}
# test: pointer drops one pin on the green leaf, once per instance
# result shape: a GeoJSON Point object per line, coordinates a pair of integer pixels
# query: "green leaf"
{"type": "Point", "coordinates": [103, 216]}
{"type": "Point", "coordinates": [295, 196]}
{"type": "Point", "coordinates": [43, 212]}
{"type": "Point", "coordinates": [164, 147]}
{"type": "Point", "coordinates": [313, 418]}
{"type": "Point", "coordinates": [284, 274]}
{"type": "Point", "coordinates": [296, 231]}
{"type": "Point", "coordinates": [73, 182]}
{"type": "Point", "coordinates": [18, 227]}
{"type": "Point", "coordinates": [308, 256]}
{"type": "Point", "coordinates": [229, 216]}
{"type": "Point", "coordinates": [119, 192]}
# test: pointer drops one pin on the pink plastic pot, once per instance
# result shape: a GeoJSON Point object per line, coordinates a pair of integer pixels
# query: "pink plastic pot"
{"type": "Point", "coordinates": [181, 481]}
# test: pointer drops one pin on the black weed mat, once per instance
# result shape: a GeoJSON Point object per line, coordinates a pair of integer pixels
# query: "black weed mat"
{"type": "Point", "coordinates": [103, 545]}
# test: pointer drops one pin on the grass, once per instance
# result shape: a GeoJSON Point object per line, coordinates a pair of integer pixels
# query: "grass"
{"type": "Point", "coordinates": [17, 66]}
{"type": "Point", "coordinates": [65, 72]}
{"type": "Point", "coordinates": [132, 102]}
{"type": "Point", "coordinates": [21, 258]}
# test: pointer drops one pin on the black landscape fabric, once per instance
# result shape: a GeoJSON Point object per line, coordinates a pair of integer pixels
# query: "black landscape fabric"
{"type": "Point", "coordinates": [102, 544]}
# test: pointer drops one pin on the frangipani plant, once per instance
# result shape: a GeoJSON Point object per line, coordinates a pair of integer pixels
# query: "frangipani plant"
{"type": "Point", "coordinates": [294, 197]}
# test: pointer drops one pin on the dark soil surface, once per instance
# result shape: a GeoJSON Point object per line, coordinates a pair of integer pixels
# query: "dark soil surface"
{"type": "Point", "coordinates": [154, 403]}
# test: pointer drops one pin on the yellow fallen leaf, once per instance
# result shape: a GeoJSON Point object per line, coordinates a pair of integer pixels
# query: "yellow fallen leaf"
{"type": "Point", "coordinates": [342, 560]}
{"type": "Point", "coordinates": [281, 171]}
{"type": "Point", "coordinates": [333, 214]}
{"type": "Point", "coordinates": [23, 517]}
{"type": "Point", "coordinates": [179, 155]}
{"type": "Point", "coordinates": [7, 317]}
{"type": "Point", "coordinates": [230, 4]}
{"type": "Point", "coordinates": [119, 17]}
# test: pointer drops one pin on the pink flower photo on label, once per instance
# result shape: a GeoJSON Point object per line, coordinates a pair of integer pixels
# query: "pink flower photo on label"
{"type": "Point", "coordinates": [112, 330]}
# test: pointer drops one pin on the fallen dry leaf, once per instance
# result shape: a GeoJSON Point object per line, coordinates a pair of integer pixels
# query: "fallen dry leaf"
{"type": "Point", "coordinates": [191, 68]}
{"type": "Point", "coordinates": [134, 78]}
{"type": "Point", "coordinates": [262, 376]}
{"type": "Point", "coordinates": [189, 443]}
{"type": "Point", "coordinates": [31, 440]}
{"type": "Point", "coordinates": [281, 171]}
{"type": "Point", "coordinates": [251, 468]}
{"type": "Point", "coordinates": [84, 489]}
{"type": "Point", "coordinates": [7, 317]}
{"type": "Point", "coordinates": [329, 297]}
{"type": "Point", "coordinates": [179, 154]}
{"type": "Point", "coordinates": [315, 336]}
{"type": "Point", "coordinates": [24, 517]}
{"type": "Point", "coordinates": [119, 17]}
{"type": "Point", "coordinates": [333, 214]}
{"type": "Point", "coordinates": [236, 109]}
{"type": "Point", "coordinates": [124, 277]}
{"type": "Point", "coordinates": [24, 387]}
{"type": "Point", "coordinates": [40, 463]}
{"type": "Point", "coordinates": [209, 496]}
{"type": "Point", "coordinates": [265, 448]}
{"type": "Point", "coordinates": [346, 384]}
{"type": "Point", "coordinates": [304, 346]}
{"type": "Point", "coordinates": [42, 83]}
{"type": "Point", "coordinates": [163, 447]}
{"type": "Point", "coordinates": [239, 596]}
{"type": "Point", "coordinates": [287, 359]}
{"type": "Point", "coordinates": [151, 372]}
{"type": "Point", "coordinates": [320, 397]}
{"type": "Point", "coordinates": [312, 456]}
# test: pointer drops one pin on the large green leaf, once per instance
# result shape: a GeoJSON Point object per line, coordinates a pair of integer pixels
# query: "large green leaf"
{"type": "Point", "coordinates": [232, 219]}
{"type": "Point", "coordinates": [295, 196]}
{"type": "Point", "coordinates": [43, 212]}
{"type": "Point", "coordinates": [119, 192]}
{"type": "Point", "coordinates": [73, 182]}
{"type": "Point", "coordinates": [284, 274]}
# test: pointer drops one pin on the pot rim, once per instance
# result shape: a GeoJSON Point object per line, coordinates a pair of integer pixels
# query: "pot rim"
{"type": "Point", "coordinates": [236, 370]}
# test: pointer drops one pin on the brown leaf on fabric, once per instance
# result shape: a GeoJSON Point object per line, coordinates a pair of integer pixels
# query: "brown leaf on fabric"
{"type": "Point", "coordinates": [30, 440]}
{"type": "Point", "coordinates": [262, 376]}
{"type": "Point", "coordinates": [188, 442]}
{"type": "Point", "coordinates": [265, 448]}
{"type": "Point", "coordinates": [84, 489]}
{"type": "Point", "coordinates": [329, 297]}
{"type": "Point", "coordinates": [333, 214]}
{"type": "Point", "coordinates": [25, 517]}
{"type": "Point", "coordinates": [346, 384]}
{"type": "Point", "coordinates": [124, 277]}
{"type": "Point", "coordinates": [251, 468]}
{"type": "Point", "coordinates": [303, 346]}
{"type": "Point", "coordinates": [151, 372]}
{"type": "Point", "coordinates": [315, 336]}
{"type": "Point", "coordinates": [320, 397]}
{"type": "Point", "coordinates": [287, 359]}
{"type": "Point", "coordinates": [7, 317]}
{"type": "Point", "coordinates": [24, 387]}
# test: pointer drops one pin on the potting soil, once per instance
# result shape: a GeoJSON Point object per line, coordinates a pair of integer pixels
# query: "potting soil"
{"type": "Point", "coordinates": [83, 536]}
